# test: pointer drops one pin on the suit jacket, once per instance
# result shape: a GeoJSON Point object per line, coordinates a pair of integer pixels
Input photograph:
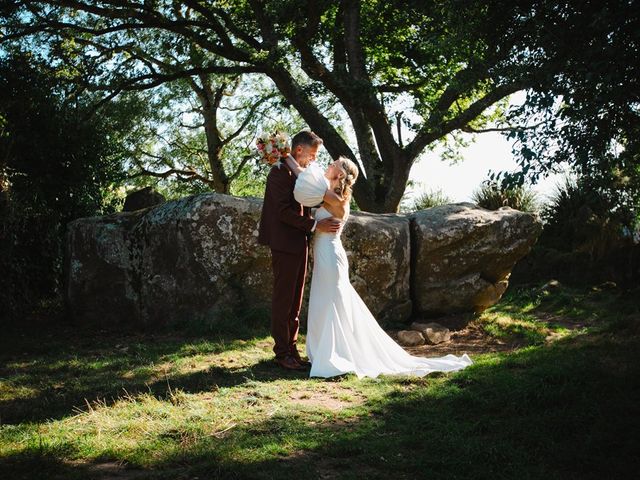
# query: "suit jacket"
{"type": "Point", "coordinates": [284, 223]}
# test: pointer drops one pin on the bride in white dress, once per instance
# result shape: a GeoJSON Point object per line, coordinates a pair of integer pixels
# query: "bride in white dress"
{"type": "Point", "coordinates": [342, 334]}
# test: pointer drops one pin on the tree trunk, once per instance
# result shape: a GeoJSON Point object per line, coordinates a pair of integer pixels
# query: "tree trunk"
{"type": "Point", "coordinates": [210, 102]}
{"type": "Point", "coordinates": [221, 182]}
{"type": "Point", "coordinates": [387, 185]}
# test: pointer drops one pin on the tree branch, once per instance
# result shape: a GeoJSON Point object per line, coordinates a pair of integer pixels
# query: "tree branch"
{"type": "Point", "coordinates": [364, 89]}
{"type": "Point", "coordinates": [270, 40]}
{"type": "Point", "coordinates": [426, 136]}
{"type": "Point", "coordinates": [180, 174]}
{"type": "Point", "coordinates": [238, 170]}
{"type": "Point", "coordinates": [355, 54]}
{"type": "Point", "coordinates": [151, 19]}
{"type": "Point", "coordinates": [515, 128]}
{"type": "Point", "coordinates": [247, 119]}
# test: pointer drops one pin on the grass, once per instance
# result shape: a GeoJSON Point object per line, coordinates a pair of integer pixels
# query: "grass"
{"type": "Point", "coordinates": [211, 404]}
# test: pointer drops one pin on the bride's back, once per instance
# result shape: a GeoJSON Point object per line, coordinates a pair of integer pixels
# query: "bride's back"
{"type": "Point", "coordinates": [324, 212]}
{"type": "Point", "coordinates": [340, 212]}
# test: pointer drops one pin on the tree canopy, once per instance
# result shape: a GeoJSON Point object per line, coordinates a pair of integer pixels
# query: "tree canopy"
{"type": "Point", "coordinates": [404, 74]}
{"type": "Point", "coordinates": [588, 114]}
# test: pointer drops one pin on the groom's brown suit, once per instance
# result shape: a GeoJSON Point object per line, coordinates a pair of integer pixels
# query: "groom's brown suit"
{"type": "Point", "coordinates": [284, 227]}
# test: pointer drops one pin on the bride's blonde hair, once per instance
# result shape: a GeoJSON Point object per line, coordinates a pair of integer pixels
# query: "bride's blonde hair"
{"type": "Point", "coordinates": [345, 184]}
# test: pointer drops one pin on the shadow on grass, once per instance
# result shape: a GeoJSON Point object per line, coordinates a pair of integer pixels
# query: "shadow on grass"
{"type": "Point", "coordinates": [562, 412]}
{"type": "Point", "coordinates": [53, 374]}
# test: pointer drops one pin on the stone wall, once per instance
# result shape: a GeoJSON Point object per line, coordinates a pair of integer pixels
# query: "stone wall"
{"type": "Point", "coordinates": [197, 258]}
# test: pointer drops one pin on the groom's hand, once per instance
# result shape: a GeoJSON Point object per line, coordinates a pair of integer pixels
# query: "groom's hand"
{"type": "Point", "coordinates": [328, 225]}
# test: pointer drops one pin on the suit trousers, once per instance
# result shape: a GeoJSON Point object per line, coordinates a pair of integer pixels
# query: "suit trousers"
{"type": "Point", "coordinates": [289, 272]}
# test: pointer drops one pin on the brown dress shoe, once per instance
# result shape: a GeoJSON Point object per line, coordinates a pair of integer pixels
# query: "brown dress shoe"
{"type": "Point", "coordinates": [296, 356]}
{"type": "Point", "coordinates": [289, 363]}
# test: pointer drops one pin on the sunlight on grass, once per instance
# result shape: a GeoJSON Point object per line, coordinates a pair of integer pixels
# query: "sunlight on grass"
{"type": "Point", "coordinates": [192, 406]}
{"type": "Point", "coordinates": [514, 329]}
{"type": "Point", "coordinates": [535, 316]}
{"type": "Point", "coordinates": [9, 391]}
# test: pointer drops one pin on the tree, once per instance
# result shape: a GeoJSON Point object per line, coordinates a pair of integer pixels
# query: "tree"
{"type": "Point", "coordinates": [373, 59]}
{"type": "Point", "coordinates": [205, 129]}
{"type": "Point", "coordinates": [588, 116]}
{"type": "Point", "coordinates": [56, 164]}
{"type": "Point", "coordinates": [406, 74]}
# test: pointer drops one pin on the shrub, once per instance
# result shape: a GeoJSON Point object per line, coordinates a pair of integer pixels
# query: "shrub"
{"type": "Point", "coordinates": [429, 199]}
{"type": "Point", "coordinates": [580, 218]}
{"type": "Point", "coordinates": [58, 163]}
{"type": "Point", "coordinates": [492, 197]}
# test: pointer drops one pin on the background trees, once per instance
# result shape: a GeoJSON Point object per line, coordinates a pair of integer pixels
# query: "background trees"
{"type": "Point", "coordinates": [588, 113]}
{"type": "Point", "coordinates": [101, 95]}
{"type": "Point", "coordinates": [202, 136]}
{"type": "Point", "coordinates": [57, 163]}
{"type": "Point", "coordinates": [404, 75]}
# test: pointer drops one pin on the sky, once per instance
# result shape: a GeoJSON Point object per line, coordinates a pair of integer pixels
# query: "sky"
{"type": "Point", "coordinates": [490, 151]}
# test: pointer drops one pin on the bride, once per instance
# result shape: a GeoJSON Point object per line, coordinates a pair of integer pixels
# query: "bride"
{"type": "Point", "coordinates": [342, 334]}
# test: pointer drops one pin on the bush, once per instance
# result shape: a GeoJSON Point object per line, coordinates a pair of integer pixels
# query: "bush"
{"type": "Point", "coordinates": [580, 218]}
{"type": "Point", "coordinates": [58, 163]}
{"type": "Point", "coordinates": [586, 239]}
{"type": "Point", "coordinates": [429, 199]}
{"type": "Point", "coordinates": [492, 197]}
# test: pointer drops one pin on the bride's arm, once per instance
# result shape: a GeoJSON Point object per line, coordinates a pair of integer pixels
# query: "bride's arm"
{"type": "Point", "coordinates": [337, 211]}
{"type": "Point", "coordinates": [334, 203]}
{"type": "Point", "coordinates": [293, 165]}
{"type": "Point", "coordinates": [332, 198]}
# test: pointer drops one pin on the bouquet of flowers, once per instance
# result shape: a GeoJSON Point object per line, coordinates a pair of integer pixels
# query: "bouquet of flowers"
{"type": "Point", "coordinates": [273, 148]}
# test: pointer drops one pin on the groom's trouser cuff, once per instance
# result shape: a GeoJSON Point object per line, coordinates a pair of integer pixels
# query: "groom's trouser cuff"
{"type": "Point", "coordinates": [289, 271]}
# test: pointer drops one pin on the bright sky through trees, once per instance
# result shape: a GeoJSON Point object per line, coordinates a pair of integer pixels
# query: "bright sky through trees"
{"type": "Point", "coordinates": [490, 151]}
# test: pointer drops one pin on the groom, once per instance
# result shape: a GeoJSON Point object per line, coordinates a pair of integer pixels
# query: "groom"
{"type": "Point", "coordinates": [285, 227]}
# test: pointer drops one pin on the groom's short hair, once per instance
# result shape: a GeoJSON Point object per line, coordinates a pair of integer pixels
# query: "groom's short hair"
{"type": "Point", "coordinates": [305, 137]}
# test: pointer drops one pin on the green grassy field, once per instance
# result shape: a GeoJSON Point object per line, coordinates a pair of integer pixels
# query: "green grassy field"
{"type": "Point", "coordinates": [562, 402]}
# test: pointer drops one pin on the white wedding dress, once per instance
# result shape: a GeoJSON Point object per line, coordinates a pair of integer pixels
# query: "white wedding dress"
{"type": "Point", "coordinates": [342, 334]}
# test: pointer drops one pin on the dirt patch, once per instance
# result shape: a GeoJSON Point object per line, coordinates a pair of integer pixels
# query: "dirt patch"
{"type": "Point", "coordinates": [330, 396]}
{"type": "Point", "coordinates": [472, 339]}
{"type": "Point", "coordinates": [568, 323]}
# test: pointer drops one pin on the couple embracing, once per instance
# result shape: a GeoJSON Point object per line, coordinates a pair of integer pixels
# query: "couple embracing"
{"type": "Point", "coordinates": [342, 334]}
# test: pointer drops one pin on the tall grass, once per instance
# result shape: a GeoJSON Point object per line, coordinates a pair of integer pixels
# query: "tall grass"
{"type": "Point", "coordinates": [490, 196]}
{"type": "Point", "coordinates": [427, 199]}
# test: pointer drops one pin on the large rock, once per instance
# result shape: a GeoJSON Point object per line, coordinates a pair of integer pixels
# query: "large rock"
{"type": "Point", "coordinates": [197, 258]}
{"type": "Point", "coordinates": [462, 255]}
{"type": "Point", "coordinates": [189, 259]}
{"type": "Point", "coordinates": [99, 287]}
{"type": "Point", "coordinates": [143, 198]}
{"type": "Point", "coordinates": [378, 248]}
